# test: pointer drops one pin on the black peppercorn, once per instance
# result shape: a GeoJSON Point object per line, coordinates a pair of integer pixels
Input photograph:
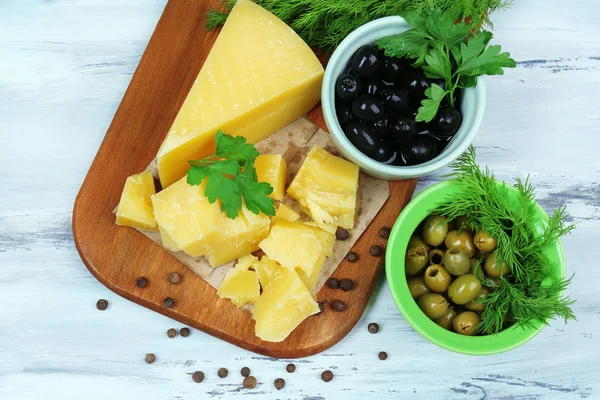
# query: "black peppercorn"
{"type": "Point", "coordinates": [141, 282]}
{"type": "Point", "coordinates": [102, 304]}
{"type": "Point", "coordinates": [198, 376]}
{"type": "Point", "coordinates": [169, 302]}
{"type": "Point", "coordinates": [250, 382]}
{"type": "Point", "coordinates": [352, 257]}
{"type": "Point", "coordinates": [376, 251]}
{"type": "Point", "coordinates": [184, 332]}
{"type": "Point", "coordinates": [342, 234]}
{"type": "Point", "coordinates": [150, 358]}
{"type": "Point", "coordinates": [339, 306]}
{"type": "Point", "coordinates": [346, 284]}
{"type": "Point", "coordinates": [327, 376]}
{"type": "Point", "coordinates": [223, 372]}
{"type": "Point", "coordinates": [172, 333]}
{"type": "Point", "coordinates": [245, 372]}
{"type": "Point", "coordinates": [290, 368]}
{"type": "Point", "coordinates": [382, 355]}
{"type": "Point", "coordinates": [279, 383]}
{"type": "Point", "coordinates": [174, 278]}
{"type": "Point", "coordinates": [373, 327]}
{"type": "Point", "coordinates": [333, 283]}
{"type": "Point", "coordinates": [384, 232]}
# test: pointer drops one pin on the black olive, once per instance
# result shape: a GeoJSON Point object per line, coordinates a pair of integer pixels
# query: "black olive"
{"type": "Point", "coordinates": [374, 86]}
{"type": "Point", "coordinates": [348, 86]}
{"type": "Point", "coordinates": [363, 137]}
{"type": "Point", "coordinates": [420, 150]}
{"type": "Point", "coordinates": [400, 161]}
{"type": "Point", "coordinates": [446, 122]}
{"type": "Point", "coordinates": [397, 100]}
{"type": "Point", "coordinates": [381, 127]}
{"type": "Point", "coordinates": [366, 61]}
{"type": "Point", "coordinates": [392, 69]}
{"type": "Point", "coordinates": [344, 113]}
{"type": "Point", "coordinates": [402, 129]}
{"type": "Point", "coordinates": [417, 85]}
{"type": "Point", "coordinates": [368, 108]}
{"type": "Point", "coordinates": [385, 153]}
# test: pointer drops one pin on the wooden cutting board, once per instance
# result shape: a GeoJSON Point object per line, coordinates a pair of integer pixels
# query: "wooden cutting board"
{"type": "Point", "coordinates": [118, 256]}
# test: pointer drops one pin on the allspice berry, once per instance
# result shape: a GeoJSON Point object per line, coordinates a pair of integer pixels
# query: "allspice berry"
{"type": "Point", "coordinates": [279, 383]}
{"type": "Point", "coordinates": [198, 376]}
{"type": "Point", "coordinates": [250, 382]}
{"type": "Point", "coordinates": [346, 284]}
{"type": "Point", "coordinates": [382, 355]}
{"type": "Point", "coordinates": [141, 282]}
{"type": "Point", "coordinates": [327, 376]}
{"type": "Point", "coordinates": [223, 372]}
{"type": "Point", "coordinates": [373, 327]}
{"type": "Point", "coordinates": [169, 302]}
{"type": "Point", "coordinates": [352, 257]}
{"type": "Point", "coordinates": [184, 332]}
{"type": "Point", "coordinates": [342, 234]}
{"type": "Point", "coordinates": [174, 278]}
{"type": "Point", "coordinates": [338, 305]}
{"type": "Point", "coordinates": [102, 304]}
{"type": "Point", "coordinates": [333, 283]}
{"type": "Point", "coordinates": [150, 358]}
{"type": "Point", "coordinates": [384, 232]}
{"type": "Point", "coordinates": [245, 372]}
{"type": "Point", "coordinates": [172, 333]}
{"type": "Point", "coordinates": [376, 251]}
{"type": "Point", "coordinates": [290, 368]}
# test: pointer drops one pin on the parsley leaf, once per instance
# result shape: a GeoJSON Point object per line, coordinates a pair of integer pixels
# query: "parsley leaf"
{"type": "Point", "coordinates": [255, 193]}
{"type": "Point", "coordinates": [429, 106]}
{"type": "Point", "coordinates": [234, 148]}
{"type": "Point", "coordinates": [411, 44]}
{"type": "Point", "coordinates": [478, 60]}
{"type": "Point", "coordinates": [437, 64]}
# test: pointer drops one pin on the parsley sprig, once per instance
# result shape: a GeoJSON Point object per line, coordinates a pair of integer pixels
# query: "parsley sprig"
{"type": "Point", "coordinates": [231, 177]}
{"type": "Point", "coordinates": [452, 52]}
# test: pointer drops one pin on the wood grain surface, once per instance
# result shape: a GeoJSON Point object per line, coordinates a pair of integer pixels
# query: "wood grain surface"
{"type": "Point", "coordinates": [117, 256]}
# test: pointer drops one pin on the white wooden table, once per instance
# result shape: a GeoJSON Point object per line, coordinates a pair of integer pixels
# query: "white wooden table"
{"type": "Point", "coordinates": [64, 66]}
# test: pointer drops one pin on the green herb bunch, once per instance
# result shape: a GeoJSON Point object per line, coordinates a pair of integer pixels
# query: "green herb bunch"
{"type": "Point", "coordinates": [452, 52]}
{"type": "Point", "coordinates": [325, 23]}
{"type": "Point", "coordinates": [530, 292]}
{"type": "Point", "coordinates": [231, 177]}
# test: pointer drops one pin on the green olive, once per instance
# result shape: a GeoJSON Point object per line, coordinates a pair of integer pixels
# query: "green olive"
{"type": "Point", "coordinates": [435, 230]}
{"type": "Point", "coordinates": [437, 278]}
{"type": "Point", "coordinates": [445, 321]}
{"type": "Point", "coordinates": [456, 262]}
{"type": "Point", "coordinates": [493, 270]}
{"type": "Point", "coordinates": [463, 241]}
{"type": "Point", "coordinates": [416, 241]}
{"type": "Point", "coordinates": [484, 242]}
{"type": "Point", "coordinates": [460, 224]}
{"type": "Point", "coordinates": [415, 260]}
{"type": "Point", "coordinates": [433, 305]}
{"type": "Point", "coordinates": [464, 289]}
{"type": "Point", "coordinates": [436, 256]}
{"type": "Point", "coordinates": [475, 305]}
{"type": "Point", "coordinates": [417, 286]}
{"type": "Point", "coordinates": [480, 254]}
{"type": "Point", "coordinates": [466, 323]}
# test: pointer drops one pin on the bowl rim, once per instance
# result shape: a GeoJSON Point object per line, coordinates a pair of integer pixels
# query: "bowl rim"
{"type": "Point", "coordinates": [341, 55]}
{"type": "Point", "coordinates": [468, 345]}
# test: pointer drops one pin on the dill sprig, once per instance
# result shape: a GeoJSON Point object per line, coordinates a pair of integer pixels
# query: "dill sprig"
{"type": "Point", "coordinates": [325, 23]}
{"type": "Point", "coordinates": [531, 292]}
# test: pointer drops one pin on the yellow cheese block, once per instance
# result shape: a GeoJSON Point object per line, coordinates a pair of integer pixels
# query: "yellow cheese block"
{"type": "Point", "coordinates": [265, 269]}
{"type": "Point", "coordinates": [239, 286]}
{"type": "Point", "coordinates": [283, 305]}
{"type": "Point", "coordinates": [246, 262]}
{"type": "Point", "coordinates": [167, 241]}
{"type": "Point", "coordinates": [327, 184]}
{"type": "Point", "coordinates": [272, 168]}
{"type": "Point", "coordinates": [259, 77]}
{"type": "Point", "coordinates": [135, 206]}
{"type": "Point", "coordinates": [287, 213]}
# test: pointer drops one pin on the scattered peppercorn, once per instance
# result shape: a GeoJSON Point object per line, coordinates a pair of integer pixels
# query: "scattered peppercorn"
{"type": "Point", "coordinates": [384, 232]}
{"type": "Point", "coordinates": [172, 333]}
{"type": "Point", "coordinates": [150, 358]}
{"type": "Point", "coordinates": [382, 355]}
{"type": "Point", "coordinates": [376, 251]}
{"type": "Point", "coordinates": [174, 278]}
{"type": "Point", "coordinates": [102, 304]}
{"type": "Point", "coordinates": [290, 368]}
{"type": "Point", "coordinates": [373, 327]}
{"type": "Point", "coordinates": [339, 306]}
{"type": "Point", "coordinates": [327, 376]}
{"type": "Point", "coordinates": [223, 373]}
{"type": "Point", "coordinates": [342, 234]}
{"type": "Point", "coordinates": [321, 308]}
{"type": "Point", "coordinates": [198, 376]}
{"type": "Point", "coordinates": [333, 283]}
{"type": "Point", "coordinates": [184, 332]}
{"type": "Point", "coordinates": [249, 382]}
{"type": "Point", "coordinates": [245, 372]}
{"type": "Point", "coordinates": [352, 257]}
{"type": "Point", "coordinates": [279, 383]}
{"type": "Point", "coordinates": [346, 284]}
{"type": "Point", "coordinates": [169, 302]}
{"type": "Point", "coordinates": [141, 282]}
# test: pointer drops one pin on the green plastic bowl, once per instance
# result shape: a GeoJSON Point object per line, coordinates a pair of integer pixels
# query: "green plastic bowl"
{"type": "Point", "coordinates": [412, 215]}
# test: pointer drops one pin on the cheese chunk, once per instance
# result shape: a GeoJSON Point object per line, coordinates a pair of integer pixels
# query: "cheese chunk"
{"type": "Point", "coordinates": [259, 77]}
{"type": "Point", "coordinates": [246, 262]}
{"type": "Point", "coordinates": [285, 212]}
{"type": "Point", "coordinates": [326, 187]}
{"type": "Point", "coordinates": [135, 206]}
{"type": "Point", "coordinates": [265, 269]}
{"type": "Point", "coordinates": [239, 286]}
{"type": "Point", "coordinates": [272, 168]}
{"type": "Point", "coordinates": [282, 306]}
